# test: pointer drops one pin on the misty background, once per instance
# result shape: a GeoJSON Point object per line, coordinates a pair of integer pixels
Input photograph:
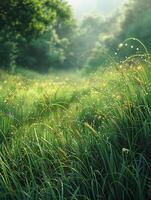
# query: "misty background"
{"type": "Point", "coordinates": [105, 7]}
{"type": "Point", "coordinates": [69, 35]}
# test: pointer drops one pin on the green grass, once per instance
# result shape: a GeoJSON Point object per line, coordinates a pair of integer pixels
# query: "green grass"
{"type": "Point", "coordinates": [68, 138]}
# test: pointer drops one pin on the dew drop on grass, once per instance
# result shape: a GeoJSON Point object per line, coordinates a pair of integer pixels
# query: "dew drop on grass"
{"type": "Point", "coordinates": [120, 45]}
{"type": "Point", "coordinates": [132, 46]}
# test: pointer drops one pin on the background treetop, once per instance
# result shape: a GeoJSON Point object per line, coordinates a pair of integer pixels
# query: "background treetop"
{"type": "Point", "coordinates": [30, 17]}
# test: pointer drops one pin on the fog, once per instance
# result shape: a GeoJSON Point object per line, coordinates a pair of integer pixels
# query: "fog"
{"type": "Point", "coordinates": [104, 7]}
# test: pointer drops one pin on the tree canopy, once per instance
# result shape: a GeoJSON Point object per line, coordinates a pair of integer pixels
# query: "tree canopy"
{"type": "Point", "coordinates": [28, 17]}
{"type": "Point", "coordinates": [30, 29]}
{"type": "Point", "coordinates": [43, 34]}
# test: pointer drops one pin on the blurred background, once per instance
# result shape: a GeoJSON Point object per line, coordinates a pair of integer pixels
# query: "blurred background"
{"type": "Point", "coordinates": [105, 7]}
{"type": "Point", "coordinates": [47, 35]}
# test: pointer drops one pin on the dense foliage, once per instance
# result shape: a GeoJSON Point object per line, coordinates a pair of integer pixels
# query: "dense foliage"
{"type": "Point", "coordinates": [41, 35]}
{"type": "Point", "coordinates": [33, 26]}
{"type": "Point", "coordinates": [137, 21]}
{"type": "Point", "coordinates": [131, 21]}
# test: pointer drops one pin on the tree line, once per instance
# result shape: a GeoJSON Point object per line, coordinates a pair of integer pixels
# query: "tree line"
{"type": "Point", "coordinates": [43, 34]}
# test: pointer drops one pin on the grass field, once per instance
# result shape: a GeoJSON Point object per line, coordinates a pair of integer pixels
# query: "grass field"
{"type": "Point", "coordinates": [76, 137]}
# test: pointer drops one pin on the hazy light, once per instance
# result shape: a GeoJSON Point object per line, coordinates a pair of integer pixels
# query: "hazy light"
{"type": "Point", "coordinates": [75, 3]}
{"type": "Point", "coordinates": [103, 7]}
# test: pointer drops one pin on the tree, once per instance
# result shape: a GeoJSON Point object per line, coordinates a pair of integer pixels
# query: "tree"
{"type": "Point", "coordinates": [28, 17]}
{"type": "Point", "coordinates": [90, 28]}
{"type": "Point", "coordinates": [136, 23]}
{"type": "Point", "coordinates": [26, 20]}
{"type": "Point", "coordinates": [52, 49]}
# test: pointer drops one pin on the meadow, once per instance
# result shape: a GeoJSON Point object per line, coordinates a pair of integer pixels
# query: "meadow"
{"type": "Point", "coordinates": [76, 137]}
